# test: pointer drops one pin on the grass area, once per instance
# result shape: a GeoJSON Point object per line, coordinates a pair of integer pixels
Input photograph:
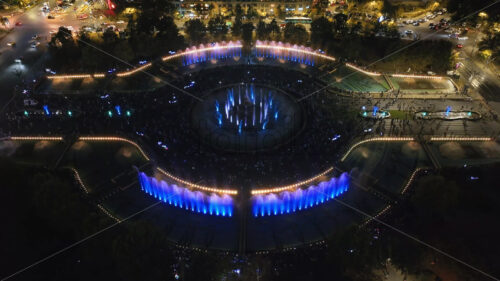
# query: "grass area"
{"type": "Point", "coordinates": [348, 79]}
{"type": "Point", "coordinates": [96, 162]}
{"type": "Point", "coordinates": [399, 114]}
{"type": "Point", "coordinates": [43, 153]}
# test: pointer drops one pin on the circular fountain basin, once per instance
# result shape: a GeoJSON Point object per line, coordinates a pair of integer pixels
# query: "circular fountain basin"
{"type": "Point", "coordinates": [247, 117]}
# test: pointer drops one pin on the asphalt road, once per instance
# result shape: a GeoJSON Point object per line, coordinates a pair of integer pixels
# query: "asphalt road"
{"type": "Point", "coordinates": [34, 22]}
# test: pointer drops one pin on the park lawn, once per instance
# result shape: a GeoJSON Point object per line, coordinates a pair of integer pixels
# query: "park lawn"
{"type": "Point", "coordinates": [399, 114]}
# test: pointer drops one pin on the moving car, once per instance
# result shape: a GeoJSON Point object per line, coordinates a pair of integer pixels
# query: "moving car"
{"type": "Point", "coordinates": [460, 46]}
{"type": "Point", "coordinates": [11, 44]}
{"type": "Point", "coordinates": [18, 23]}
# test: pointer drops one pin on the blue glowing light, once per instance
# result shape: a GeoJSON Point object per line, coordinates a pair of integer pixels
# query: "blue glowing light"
{"type": "Point", "coordinates": [181, 197]}
{"type": "Point", "coordinates": [193, 56]}
{"type": "Point", "coordinates": [375, 109]}
{"type": "Point", "coordinates": [118, 109]}
{"type": "Point", "coordinates": [292, 201]}
{"type": "Point", "coordinates": [296, 54]}
{"type": "Point", "coordinates": [448, 109]}
{"type": "Point", "coordinates": [46, 109]}
{"type": "Point", "coordinates": [242, 104]}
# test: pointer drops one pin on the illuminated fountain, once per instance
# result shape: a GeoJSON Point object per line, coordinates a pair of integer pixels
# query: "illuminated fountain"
{"type": "Point", "coordinates": [291, 201]}
{"type": "Point", "coordinates": [247, 117]}
{"type": "Point", "coordinates": [376, 113]}
{"type": "Point", "coordinates": [214, 51]}
{"type": "Point", "coordinates": [292, 53]}
{"type": "Point", "coordinates": [247, 110]}
{"type": "Point", "coordinates": [181, 197]}
{"type": "Point", "coordinates": [447, 113]}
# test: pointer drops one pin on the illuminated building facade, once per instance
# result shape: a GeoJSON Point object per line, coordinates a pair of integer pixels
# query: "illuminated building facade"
{"type": "Point", "coordinates": [263, 8]}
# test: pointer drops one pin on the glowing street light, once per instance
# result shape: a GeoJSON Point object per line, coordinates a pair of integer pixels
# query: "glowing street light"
{"type": "Point", "coordinates": [483, 15]}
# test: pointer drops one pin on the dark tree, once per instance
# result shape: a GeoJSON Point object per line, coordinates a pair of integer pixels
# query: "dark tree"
{"type": "Point", "coordinates": [279, 12]}
{"type": "Point", "coordinates": [196, 30]}
{"type": "Point", "coordinates": [491, 42]}
{"type": "Point", "coordinates": [262, 31]}
{"type": "Point", "coordinates": [321, 31]}
{"type": "Point", "coordinates": [319, 7]}
{"type": "Point", "coordinates": [236, 28]}
{"type": "Point", "coordinates": [356, 29]}
{"type": "Point", "coordinates": [295, 34]}
{"type": "Point", "coordinates": [63, 47]}
{"type": "Point", "coordinates": [340, 24]}
{"type": "Point", "coordinates": [217, 26]}
{"type": "Point", "coordinates": [247, 32]}
{"type": "Point", "coordinates": [274, 29]}
{"type": "Point", "coordinates": [389, 9]}
{"type": "Point", "coordinates": [251, 13]}
{"type": "Point", "coordinates": [465, 8]}
{"type": "Point", "coordinates": [238, 11]}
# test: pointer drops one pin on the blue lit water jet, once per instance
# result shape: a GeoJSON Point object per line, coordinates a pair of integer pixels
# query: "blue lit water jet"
{"type": "Point", "coordinates": [46, 109]}
{"type": "Point", "coordinates": [181, 197]}
{"type": "Point", "coordinates": [448, 109]}
{"type": "Point", "coordinates": [241, 105]}
{"type": "Point", "coordinates": [278, 50]}
{"type": "Point", "coordinates": [203, 53]}
{"type": "Point", "coordinates": [292, 201]}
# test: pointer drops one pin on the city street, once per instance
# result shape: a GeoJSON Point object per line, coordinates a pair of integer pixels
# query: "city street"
{"type": "Point", "coordinates": [33, 22]}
